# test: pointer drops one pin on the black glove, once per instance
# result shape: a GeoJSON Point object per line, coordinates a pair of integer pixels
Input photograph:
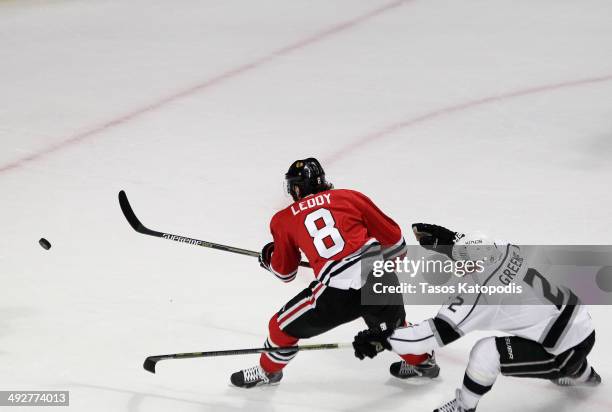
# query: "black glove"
{"type": "Point", "coordinates": [265, 256]}
{"type": "Point", "coordinates": [436, 238]}
{"type": "Point", "coordinates": [371, 341]}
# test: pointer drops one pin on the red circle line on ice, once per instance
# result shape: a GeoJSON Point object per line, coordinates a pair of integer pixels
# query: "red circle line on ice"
{"type": "Point", "coordinates": [229, 74]}
{"type": "Point", "coordinates": [96, 130]}
{"type": "Point", "coordinates": [458, 107]}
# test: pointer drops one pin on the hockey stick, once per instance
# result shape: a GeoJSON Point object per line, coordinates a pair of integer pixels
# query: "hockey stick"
{"type": "Point", "coordinates": [151, 361]}
{"type": "Point", "coordinates": [129, 214]}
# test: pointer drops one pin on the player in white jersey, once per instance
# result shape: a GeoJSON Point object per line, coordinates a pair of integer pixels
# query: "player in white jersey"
{"type": "Point", "coordinates": [551, 332]}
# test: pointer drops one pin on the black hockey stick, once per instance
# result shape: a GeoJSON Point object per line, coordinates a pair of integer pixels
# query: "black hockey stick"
{"type": "Point", "coordinates": [129, 214]}
{"type": "Point", "coordinates": [151, 361]}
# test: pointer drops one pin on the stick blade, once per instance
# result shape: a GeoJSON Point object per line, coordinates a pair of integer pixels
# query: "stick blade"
{"type": "Point", "coordinates": [129, 214]}
{"type": "Point", "coordinates": [149, 364]}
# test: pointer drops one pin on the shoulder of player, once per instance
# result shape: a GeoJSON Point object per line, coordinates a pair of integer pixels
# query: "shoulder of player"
{"type": "Point", "coordinates": [281, 216]}
{"type": "Point", "coordinates": [347, 193]}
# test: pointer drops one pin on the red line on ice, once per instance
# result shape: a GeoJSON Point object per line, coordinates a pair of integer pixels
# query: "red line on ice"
{"type": "Point", "coordinates": [98, 129]}
{"type": "Point", "coordinates": [459, 107]}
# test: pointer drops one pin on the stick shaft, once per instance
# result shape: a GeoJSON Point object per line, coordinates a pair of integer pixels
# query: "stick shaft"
{"type": "Point", "coordinates": [129, 214]}
{"type": "Point", "coordinates": [151, 361]}
{"type": "Point", "coordinates": [250, 351]}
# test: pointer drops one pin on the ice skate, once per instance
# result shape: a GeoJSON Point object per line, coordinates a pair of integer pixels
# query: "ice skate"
{"type": "Point", "coordinates": [455, 405]}
{"type": "Point", "coordinates": [593, 380]}
{"type": "Point", "coordinates": [404, 370]}
{"type": "Point", "coordinates": [255, 376]}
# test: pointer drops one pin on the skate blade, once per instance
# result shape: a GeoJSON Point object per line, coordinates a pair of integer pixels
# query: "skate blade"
{"type": "Point", "coordinates": [262, 386]}
{"type": "Point", "coordinates": [414, 381]}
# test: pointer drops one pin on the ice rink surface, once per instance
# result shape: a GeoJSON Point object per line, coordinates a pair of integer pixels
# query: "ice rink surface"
{"type": "Point", "coordinates": [491, 114]}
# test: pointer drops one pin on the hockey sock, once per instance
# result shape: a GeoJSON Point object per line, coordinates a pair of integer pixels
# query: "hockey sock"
{"type": "Point", "coordinates": [273, 362]}
{"type": "Point", "coordinates": [481, 372]}
{"type": "Point", "coordinates": [415, 359]}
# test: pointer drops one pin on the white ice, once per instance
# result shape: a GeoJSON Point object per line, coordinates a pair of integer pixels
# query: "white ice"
{"type": "Point", "coordinates": [491, 115]}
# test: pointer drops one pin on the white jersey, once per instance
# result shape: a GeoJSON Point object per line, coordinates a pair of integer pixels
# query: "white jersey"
{"type": "Point", "coordinates": [543, 312]}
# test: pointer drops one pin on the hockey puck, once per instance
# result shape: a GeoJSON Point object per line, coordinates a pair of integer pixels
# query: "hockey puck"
{"type": "Point", "coordinates": [44, 243]}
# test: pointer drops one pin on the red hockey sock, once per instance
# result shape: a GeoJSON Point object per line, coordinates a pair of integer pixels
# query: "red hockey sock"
{"type": "Point", "coordinates": [415, 359]}
{"type": "Point", "coordinates": [272, 363]}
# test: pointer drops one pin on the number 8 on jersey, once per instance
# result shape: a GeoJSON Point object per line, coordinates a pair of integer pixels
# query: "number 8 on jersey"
{"type": "Point", "coordinates": [328, 230]}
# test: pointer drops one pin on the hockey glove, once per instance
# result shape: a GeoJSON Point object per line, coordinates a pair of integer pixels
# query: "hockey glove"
{"type": "Point", "coordinates": [371, 342]}
{"type": "Point", "coordinates": [265, 256]}
{"type": "Point", "coordinates": [436, 238]}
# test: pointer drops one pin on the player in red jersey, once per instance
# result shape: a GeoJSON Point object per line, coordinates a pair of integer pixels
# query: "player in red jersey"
{"type": "Point", "coordinates": [342, 233]}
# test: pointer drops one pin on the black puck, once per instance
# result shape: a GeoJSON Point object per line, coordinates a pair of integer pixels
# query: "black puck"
{"type": "Point", "coordinates": [44, 243]}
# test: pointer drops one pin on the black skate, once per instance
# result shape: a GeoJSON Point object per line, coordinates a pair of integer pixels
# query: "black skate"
{"type": "Point", "coordinates": [255, 376]}
{"type": "Point", "coordinates": [593, 380]}
{"type": "Point", "coordinates": [427, 369]}
{"type": "Point", "coordinates": [454, 406]}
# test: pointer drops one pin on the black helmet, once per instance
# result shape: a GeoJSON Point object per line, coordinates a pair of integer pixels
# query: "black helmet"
{"type": "Point", "coordinates": [308, 176]}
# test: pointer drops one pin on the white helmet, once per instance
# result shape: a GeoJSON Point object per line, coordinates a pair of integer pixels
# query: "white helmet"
{"type": "Point", "coordinates": [477, 246]}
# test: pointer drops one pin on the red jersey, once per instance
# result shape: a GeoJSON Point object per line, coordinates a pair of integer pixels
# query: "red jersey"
{"type": "Point", "coordinates": [331, 227]}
